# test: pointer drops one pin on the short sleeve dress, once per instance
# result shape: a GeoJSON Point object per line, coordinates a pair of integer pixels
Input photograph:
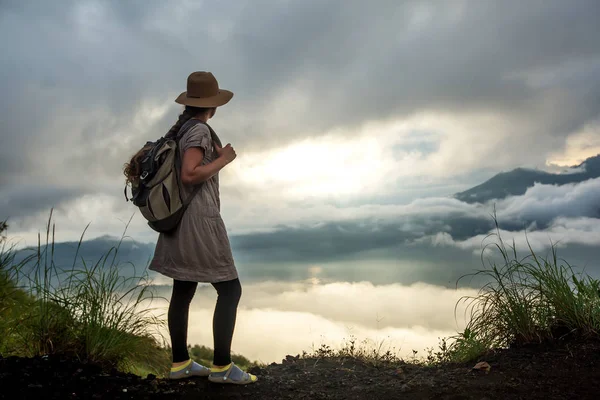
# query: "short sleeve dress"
{"type": "Point", "coordinates": [199, 249]}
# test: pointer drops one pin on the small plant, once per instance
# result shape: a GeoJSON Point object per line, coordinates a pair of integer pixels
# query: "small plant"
{"type": "Point", "coordinates": [367, 351]}
{"type": "Point", "coordinates": [441, 356]}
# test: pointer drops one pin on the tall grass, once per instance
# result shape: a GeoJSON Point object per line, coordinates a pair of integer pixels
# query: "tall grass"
{"type": "Point", "coordinates": [89, 311]}
{"type": "Point", "coordinates": [527, 300]}
{"type": "Point", "coordinates": [13, 301]}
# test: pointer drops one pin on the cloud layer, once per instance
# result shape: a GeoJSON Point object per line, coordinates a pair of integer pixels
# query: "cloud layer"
{"type": "Point", "coordinates": [280, 318]}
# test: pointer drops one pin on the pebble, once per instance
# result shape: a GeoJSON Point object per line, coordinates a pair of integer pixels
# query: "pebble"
{"type": "Point", "coordinates": [34, 386]}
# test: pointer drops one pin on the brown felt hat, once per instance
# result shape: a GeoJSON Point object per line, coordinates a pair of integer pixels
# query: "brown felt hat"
{"type": "Point", "coordinates": [203, 91]}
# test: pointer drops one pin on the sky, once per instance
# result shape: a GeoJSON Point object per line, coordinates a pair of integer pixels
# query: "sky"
{"type": "Point", "coordinates": [346, 116]}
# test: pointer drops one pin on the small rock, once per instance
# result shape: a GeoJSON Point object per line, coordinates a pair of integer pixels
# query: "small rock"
{"type": "Point", "coordinates": [34, 386]}
{"type": "Point", "coordinates": [290, 359]}
{"type": "Point", "coordinates": [256, 370]}
{"type": "Point", "coordinates": [482, 366]}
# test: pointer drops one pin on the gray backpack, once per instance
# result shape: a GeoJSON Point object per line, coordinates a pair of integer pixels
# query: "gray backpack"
{"type": "Point", "coordinates": [158, 192]}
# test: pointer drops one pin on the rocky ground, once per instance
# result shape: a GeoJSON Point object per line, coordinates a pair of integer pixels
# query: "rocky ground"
{"type": "Point", "coordinates": [566, 371]}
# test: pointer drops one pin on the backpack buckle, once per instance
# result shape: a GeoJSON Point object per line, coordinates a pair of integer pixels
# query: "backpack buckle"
{"type": "Point", "coordinates": [144, 175]}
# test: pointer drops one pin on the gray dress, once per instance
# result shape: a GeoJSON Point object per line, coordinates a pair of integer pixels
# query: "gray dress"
{"type": "Point", "coordinates": [198, 250]}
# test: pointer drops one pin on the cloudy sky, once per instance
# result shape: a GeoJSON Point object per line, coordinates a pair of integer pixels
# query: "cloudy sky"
{"type": "Point", "coordinates": [344, 116]}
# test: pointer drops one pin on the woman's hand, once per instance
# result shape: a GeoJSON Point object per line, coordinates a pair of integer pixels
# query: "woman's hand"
{"type": "Point", "coordinates": [227, 152]}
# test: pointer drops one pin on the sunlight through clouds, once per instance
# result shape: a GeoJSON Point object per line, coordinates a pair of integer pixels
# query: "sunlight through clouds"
{"type": "Point", "coordinates": [326, 167]}
{"type": "Point", "coordinates": [579, 146]}
{"type": "Point", "coordinates": [377, 158]}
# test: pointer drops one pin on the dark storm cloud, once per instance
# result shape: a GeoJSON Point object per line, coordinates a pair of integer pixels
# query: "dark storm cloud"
{"type": "Point", "coordinates": [359, 63]}
{"type": "Point", "coordinates": [93, 65]}
{"type": "Point", "coordinates": [25, 200]}
{"type": "Point", "coordinates": [334, 241]}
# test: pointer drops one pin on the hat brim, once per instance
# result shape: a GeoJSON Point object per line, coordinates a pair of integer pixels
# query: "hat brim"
{"type": "Point", "coordinates": [215, 101]}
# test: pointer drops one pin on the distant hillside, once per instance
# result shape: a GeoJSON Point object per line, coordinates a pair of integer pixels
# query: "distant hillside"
{"type": "Point", "coordinates": [517, 181]}
{"type": "Point", "coordinates": [131, 253]}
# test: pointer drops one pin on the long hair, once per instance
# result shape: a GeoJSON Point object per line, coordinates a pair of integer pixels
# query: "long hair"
{"type": "Point", "coordinates": [131, 170]}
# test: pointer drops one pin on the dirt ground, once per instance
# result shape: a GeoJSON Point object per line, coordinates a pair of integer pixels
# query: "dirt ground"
{"type": "Point", "coordinates": [566, 371]}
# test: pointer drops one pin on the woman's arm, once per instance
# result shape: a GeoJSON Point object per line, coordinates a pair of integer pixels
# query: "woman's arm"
{"type": "Point", "coordinates": [193, 173]}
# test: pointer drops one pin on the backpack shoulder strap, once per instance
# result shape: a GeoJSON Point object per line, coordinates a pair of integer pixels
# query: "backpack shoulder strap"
{"type": "Point", "coordinates": [213, 135]}
{"type": "Point", "coordinates": [193, 122]}
{"type": "Point", "coordinates": [189, 124]}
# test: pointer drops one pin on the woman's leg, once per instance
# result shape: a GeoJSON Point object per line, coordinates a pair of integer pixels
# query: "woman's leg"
{"type": "Point", "coordinates": [229, 293]}
{"type": "Point", "coordinates": [183, 293]}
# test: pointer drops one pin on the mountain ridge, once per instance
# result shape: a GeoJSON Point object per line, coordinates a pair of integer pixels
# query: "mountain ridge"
{"type": "Point", "coordinates": [517, 181]}
{"type": "Point", "coordinates": [132, 256]}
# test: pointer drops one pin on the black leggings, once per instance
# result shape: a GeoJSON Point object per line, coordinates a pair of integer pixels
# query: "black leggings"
{"type": "Point", "coordinates": [229, 293]}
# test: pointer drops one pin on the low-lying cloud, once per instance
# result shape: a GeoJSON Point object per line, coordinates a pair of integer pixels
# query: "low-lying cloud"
{"type": "Point", "coordinates": [280, 318]}
{"type": "Point", "coordinates": [561, 233]}
{"type": "Point", "coordinates": [314, 232]}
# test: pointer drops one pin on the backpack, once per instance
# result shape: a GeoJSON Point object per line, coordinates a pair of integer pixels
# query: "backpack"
{"type": "Point", "coordinates": [158, 193]}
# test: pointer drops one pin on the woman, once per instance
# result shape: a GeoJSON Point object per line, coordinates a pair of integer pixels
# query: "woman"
{"type": "Point", "coordinates": [199, 250]}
